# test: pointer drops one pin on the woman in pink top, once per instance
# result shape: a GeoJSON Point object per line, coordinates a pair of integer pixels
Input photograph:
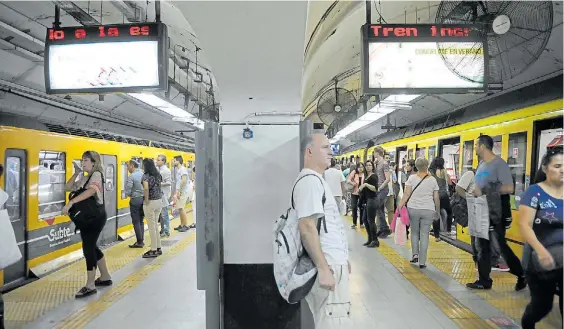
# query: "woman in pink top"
{"type": "Point", "coordinates": [357, 178]}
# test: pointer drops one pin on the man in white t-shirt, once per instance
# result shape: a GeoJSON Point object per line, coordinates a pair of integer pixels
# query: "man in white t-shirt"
{"type": "Point", "coordinates": [336, 180]}
{"type": "Point", "coordinates": [329, 298]}
{"type": "Point", "coordinates": [181, 195]}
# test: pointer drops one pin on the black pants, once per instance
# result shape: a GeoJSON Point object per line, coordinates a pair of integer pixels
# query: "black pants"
{"type": "Point", "coordinates": [137, 215]}
{"type": "Point", "coordinates": [542, 290]}
{"type": "Point", "coordinates": [445, 204]}
{"type": "Point", "coordinates": [485, 259]}
{"type": "Point", "coordinates": [355, 208]}
{"type": "Point", "coordinates": [89, 236]}
{"type": "Point", "coordinates": [372, 206]}
{"type": "Point", "coordinates": [1, 312]}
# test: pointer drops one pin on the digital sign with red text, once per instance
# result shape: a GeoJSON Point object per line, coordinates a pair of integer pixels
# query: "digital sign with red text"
{"type": "Point", "coordinates": [106, 59]}
{"type": "Point", "coordinates": [423, 58]}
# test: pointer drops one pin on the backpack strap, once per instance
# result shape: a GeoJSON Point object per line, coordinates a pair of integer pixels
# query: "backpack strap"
{"type": "Point", "coordinates": [323, 199]}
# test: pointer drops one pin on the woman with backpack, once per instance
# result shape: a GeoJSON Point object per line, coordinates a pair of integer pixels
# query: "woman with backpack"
{"type": "Point", "coordinates": [89, 190]}
{"type": "Point", "coordinates": [152, 205]}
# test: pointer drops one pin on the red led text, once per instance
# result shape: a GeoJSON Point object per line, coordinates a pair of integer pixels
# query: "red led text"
{"type": "Point", "coordinates": [102, 32]}
{"type": "Point", "coordinates": [381, 31]}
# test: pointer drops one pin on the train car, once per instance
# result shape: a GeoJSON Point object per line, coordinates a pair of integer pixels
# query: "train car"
{"type": "Point", "coordinates": [37, 165]}
{"type": "Point", "coordinates": [521, 138]}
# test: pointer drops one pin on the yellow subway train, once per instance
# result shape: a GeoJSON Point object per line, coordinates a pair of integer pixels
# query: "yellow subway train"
{"type": "Point", "coordinates": [37, 164]}
{"type": "Point", "coordinates": [521, 137]}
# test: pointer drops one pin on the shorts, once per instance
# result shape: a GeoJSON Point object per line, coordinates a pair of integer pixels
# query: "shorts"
{"type": "Point", "coordinates": [181, 202]}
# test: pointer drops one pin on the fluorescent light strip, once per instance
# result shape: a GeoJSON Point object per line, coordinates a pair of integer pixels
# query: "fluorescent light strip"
{"type": "Point", "coordinates": [177, 113]}
{"type": "Point", "coordinates": [380, 110]}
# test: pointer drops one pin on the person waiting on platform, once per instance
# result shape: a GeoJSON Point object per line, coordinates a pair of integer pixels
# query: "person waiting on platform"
{"type": "Point", "coordinates": [336, 180]}
{"type": "Point", "coordinates": [134, 190]}
{"type": "Point", "coordinates": [166, 189]}
{"type": "Point", "coordinates": [493, 179]}
{"type": "Point", "coordinates": [421, 197]}
{"type": "Point", "coordinates": [541, 223]}
{"type": "Point", "coordinates": [329, 299]}
{"type": "Point", "coordinates": [357, 178]}
{"type": "Point", "coordinates": [91, 186]}
{"type": "Point", "coordinates": [181, 195]}
{"type": "Point", "coordinates": [382, 171]}
{"type": "Point", "coordinates": [369, 196]}
{"type": "Point", "coordinates": [437, 170]}
{"type": "Point", "coordinates": [152, 205]}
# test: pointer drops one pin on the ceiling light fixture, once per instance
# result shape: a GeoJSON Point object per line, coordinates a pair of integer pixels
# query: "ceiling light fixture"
{"type": "Point", "coordinates": [177, 113]}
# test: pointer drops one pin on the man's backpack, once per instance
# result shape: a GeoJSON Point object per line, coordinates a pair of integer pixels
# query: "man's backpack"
{"type": "Point", "coordinates": [294, 271]}
{"type": "Point", "coordinates": [459, 210]}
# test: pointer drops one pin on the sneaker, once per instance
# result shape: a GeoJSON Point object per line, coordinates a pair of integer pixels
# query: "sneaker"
{"type": "Point", "coordinates": [374, 244]}
{"type": "Point", "coordinates": [137, 245]}
{"type": "Point", "coordinates": [353, 226]}
{"type": "Point", "coordinates": [150, 254]}
{"type": "Point", "coordinates": [178, 227]}
{"type": "Point", "coordinates": [183, 229]}
{"type": "Point", "coordinates": [521, 284]}
{"type": "Point", "coordinates": [477, 285]}
{"type": "Point", "coordinates": [500, 268]}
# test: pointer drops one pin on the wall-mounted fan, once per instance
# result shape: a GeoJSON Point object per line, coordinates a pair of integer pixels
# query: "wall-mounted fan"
{"type": "Point", "coordinates": [517, 33]}
{"type": "Point", "coordinates": [336, 103]}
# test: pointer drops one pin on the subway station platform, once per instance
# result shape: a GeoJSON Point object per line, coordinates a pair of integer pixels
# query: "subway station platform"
{"type": "Point", "coordinates": [387, 291]}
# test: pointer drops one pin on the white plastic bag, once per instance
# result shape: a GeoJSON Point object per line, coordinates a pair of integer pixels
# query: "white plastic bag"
{"type": "Point", "coordinates": [10, 251]}
{"type": "Point", "coordinates": [478, 217]}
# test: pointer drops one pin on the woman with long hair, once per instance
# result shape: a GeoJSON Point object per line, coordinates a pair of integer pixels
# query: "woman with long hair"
{"type": "Point", "coordinates": [357, 178]}
{"type": "Point", "coordinates": [542, 225]}
{"type": "Point", "coordinates": [152, 205]}
{"type": "Point", "coordinates": [369, 192]}
{"type": "Point", "coordinates": [437, 170]}
{"type": "Point", "coordinates": [421, 197]}
{"type": "Point", "coordinates": [90, 186]}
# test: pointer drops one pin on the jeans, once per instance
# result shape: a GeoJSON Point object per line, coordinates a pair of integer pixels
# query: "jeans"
{"type": "Point", "coordinates": [420, 223]}
{"type": "Point", "coordinates": [381, 212]}
{"type": "Point", "coordinates": [495, 252]}
{"type": "Point", "coordinates": [137, 215]}
{"type": "Point", "coordinates": [485, 259]}
{"type": "Point", "coordinates": [165, 220]}
{"type": "Point", "coordinates": [355, 207]}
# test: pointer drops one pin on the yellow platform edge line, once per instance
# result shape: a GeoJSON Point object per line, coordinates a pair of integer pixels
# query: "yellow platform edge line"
{"type": "Point", "coordinates": [462, 316]}
{"type": "Point", "coordinates": [85, 315]}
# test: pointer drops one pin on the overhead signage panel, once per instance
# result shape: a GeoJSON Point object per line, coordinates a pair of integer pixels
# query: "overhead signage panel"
{"type": "Point", "coordinates": [423, 59]}
{"type": "Point", "coordinates": [106, 59]}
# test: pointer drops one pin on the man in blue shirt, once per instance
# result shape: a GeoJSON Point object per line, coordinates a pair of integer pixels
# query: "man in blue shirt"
{"type": "Point", "coordinates": [134, 190]}
{"type": "Point", "coordinates": [494, 180]}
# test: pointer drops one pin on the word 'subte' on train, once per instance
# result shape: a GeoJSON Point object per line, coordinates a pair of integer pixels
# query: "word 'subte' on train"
{"type": "Point", "coordinates": [37, 164]}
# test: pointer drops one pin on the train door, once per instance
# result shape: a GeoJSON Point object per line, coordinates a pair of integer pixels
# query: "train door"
{"type": "Point", "coordinates": [546, 133]}
{"type": "Point", "coordinates": [15, 182]}
{"type": "Point", "coordinates": [109, 234]}
{"type": "Point", "coordinates": [449, 150]}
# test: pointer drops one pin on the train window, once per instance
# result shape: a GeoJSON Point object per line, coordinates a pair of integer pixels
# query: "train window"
{"type": "Point", "coordinates": [420, 153]}
{"type": "Point", "coordinates": [79, 164]}
{"type": "Point", "coordinates": [497, 145]}
{"type": "Point", "coordinates": [432, 150]}
{"type": "Point", "coordinates": [410, 154]}
{"type": "Point", "coordinates": [12, 183]}
{"type": "Point", "coordinates": [516, 159]}
{"type": "Point", "coordinates": [51, 188]}
{"type": "Point", "coordinates": [468, 153]}
{"type": "Point", "coordinates": [124, 174]}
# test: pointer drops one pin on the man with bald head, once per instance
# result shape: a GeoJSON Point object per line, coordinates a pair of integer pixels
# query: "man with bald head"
{"type": "Point", "coordinates": [329, 299]}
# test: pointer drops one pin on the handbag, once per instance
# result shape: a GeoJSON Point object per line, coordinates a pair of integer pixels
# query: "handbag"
{"type": "Point", "coordinates": [555, 251]}
{"type": "Point", "coordinates": [10, 250]}
{"type": "Point", "coordinates": [401, 212]}
{"type": "Point", "coordinates": [82, 213]}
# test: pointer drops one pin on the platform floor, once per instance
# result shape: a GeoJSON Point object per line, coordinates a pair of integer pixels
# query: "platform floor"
{"type": "Point", "coordinates": [387, 291]}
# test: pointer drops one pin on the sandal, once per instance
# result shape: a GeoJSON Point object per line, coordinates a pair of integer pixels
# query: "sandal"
{"type": "Point", "coordinates": [151, 254]}
{"type": "Point", "coordinates": [103, 283]}
{"type": "Point", "coordinates": [84, 292]}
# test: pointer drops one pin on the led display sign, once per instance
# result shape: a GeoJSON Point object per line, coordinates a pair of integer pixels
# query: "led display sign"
{"type": "Point", "coordinates": [106, 59]}
{"type": "Point", "coordinates": [423, 59]}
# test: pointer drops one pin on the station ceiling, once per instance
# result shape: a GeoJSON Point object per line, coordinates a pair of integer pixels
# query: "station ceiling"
{"type": "Point", "coordinates": [260, 56]}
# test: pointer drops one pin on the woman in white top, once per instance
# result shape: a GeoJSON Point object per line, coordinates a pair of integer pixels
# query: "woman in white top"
{"type": "Point", "coordinates": [423, 204]}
